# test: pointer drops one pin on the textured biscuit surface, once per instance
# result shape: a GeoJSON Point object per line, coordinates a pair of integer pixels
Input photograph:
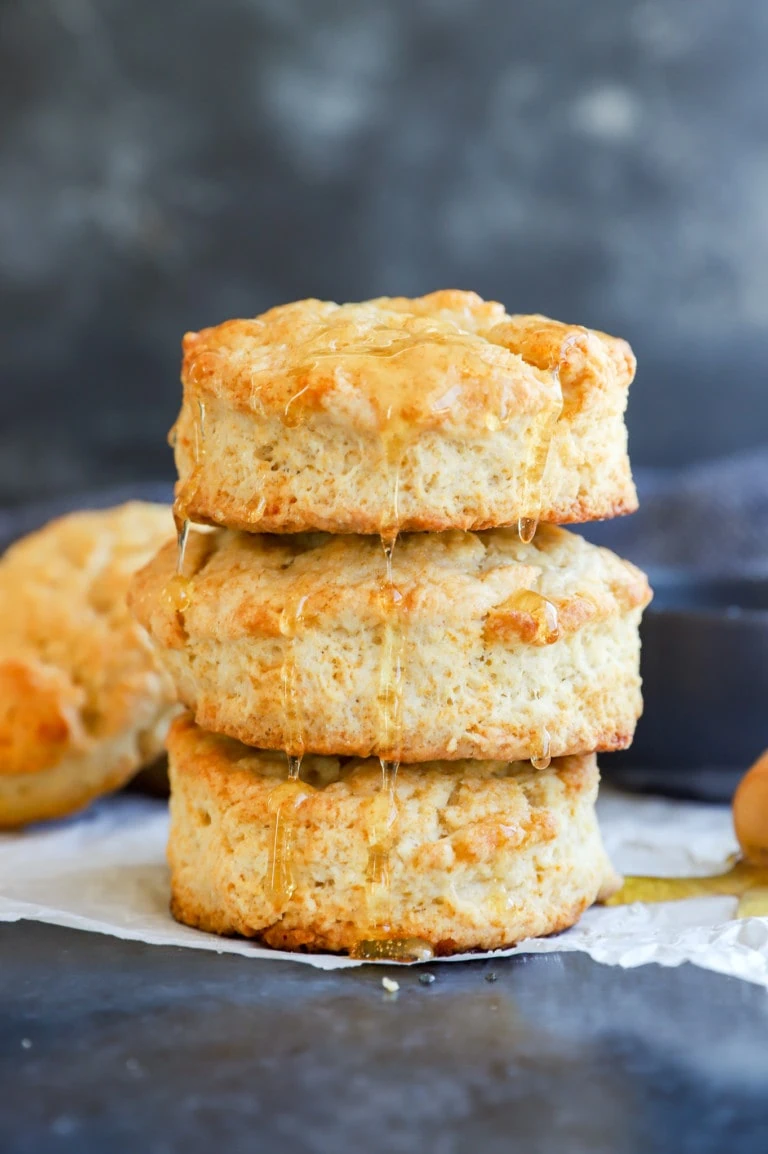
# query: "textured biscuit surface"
{"type": "Point", "coordinates": [479, 854]}
{"type": "Point", "coordinates": [487, 647]}
{"type": "Point", "coordinates": [441, 412]}
{"type": "Point", "coordinates": [84, 700]}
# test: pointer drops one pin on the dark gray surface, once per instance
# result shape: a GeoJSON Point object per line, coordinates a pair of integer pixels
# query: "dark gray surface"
{"type": "Point", "coordinates": [167, 165]}
{"type": "Point", "coordinates": [117, 1046]}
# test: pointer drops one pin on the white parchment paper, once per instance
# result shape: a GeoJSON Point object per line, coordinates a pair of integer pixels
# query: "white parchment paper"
{"type": "Point", "coordinates": [105, 871]}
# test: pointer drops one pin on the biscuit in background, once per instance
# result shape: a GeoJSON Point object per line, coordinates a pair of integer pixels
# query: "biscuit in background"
{"type": "Point", "coordinates": [84, 700]}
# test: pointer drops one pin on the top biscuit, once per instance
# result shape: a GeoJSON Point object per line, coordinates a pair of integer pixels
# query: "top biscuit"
{"type": "Point", "coordinates": [441, 412]}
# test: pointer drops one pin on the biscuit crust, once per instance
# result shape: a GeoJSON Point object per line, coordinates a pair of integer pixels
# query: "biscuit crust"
{"type": "Point", "coordinates": [486, 648]}
{"type": "Point", "coordinates": [84, 699]}
{"type": "Point", "coordinates": [440, 412]}
{"type": "Point", "coordinates": [480, 854]}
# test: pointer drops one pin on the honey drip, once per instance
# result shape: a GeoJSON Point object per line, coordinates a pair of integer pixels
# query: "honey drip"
{"type": "Point", "coordinates": [291, 623]}
{"type": "Point", "coordinates": [382, 826]}
{"type": "Point", "coordinates": [378, 944]}
{"type": "Point", "coordinates": [539, 624]}
{"type": "Point", "coordinates": [754, 903]}
{"type": "Point", "coordinates": [743, 880]}
{"type": "Point", "coordinates": [383, 817]}
{"type": "Point", "coordinates": [393, 950]}
{"type": "Point", "coordinates": [200, 435]}
{"type": "Point", "coordinates": [390, 696]}
{"type": "Point", "coordinates": [283, 802]}
{"type": "Point", "coordinates": [181, 546]}
{"type": "Point", "coordinates": [397, 434]}
{"type": "Point", "coordinates": [285, 798]}
{"type": "Point", "coordinates": [526, 528]}
{"type": "Point", "coordinates": [531, 496]}
{"type": "Point", "coordinates": [176, 591]}
{"type": "Point", "coordinates": [388, 545]}
{"type": "Point", "coordinates": [293, 413]}
{"type": "Point", "coordinates": [188, 490]}
{"type": "Point", "coordinates": [177, 595]}
{"type": "Point", "coordinates": [535, 620]}
{"type": "Point", "coordinates": [541, 758]}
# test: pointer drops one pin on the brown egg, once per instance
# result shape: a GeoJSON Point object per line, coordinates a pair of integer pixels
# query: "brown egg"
{"type": "Point", "coordinates": [750, 812]}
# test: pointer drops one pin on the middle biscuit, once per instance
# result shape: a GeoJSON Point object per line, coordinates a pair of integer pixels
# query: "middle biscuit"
{"type": "Point", "coordinates": [482, 646]}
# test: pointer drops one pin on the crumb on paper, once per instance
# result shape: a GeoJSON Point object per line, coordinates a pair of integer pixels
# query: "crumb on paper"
{"type": "Point", "coordinates": [390, 985]}
{"type": "Point", "coordinates": [426, 979]}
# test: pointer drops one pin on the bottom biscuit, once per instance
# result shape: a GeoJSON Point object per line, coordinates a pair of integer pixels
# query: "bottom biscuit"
{"type": "Point", "coordinates": [447, 857]}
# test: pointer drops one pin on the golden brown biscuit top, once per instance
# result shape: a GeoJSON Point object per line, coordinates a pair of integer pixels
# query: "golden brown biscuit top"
{"type": "Point", "coordinates": [446, 359]}
{"type": "Point", "coordinates": [74, 665]}
{"type": "Point", "coordinates": [240, 584]}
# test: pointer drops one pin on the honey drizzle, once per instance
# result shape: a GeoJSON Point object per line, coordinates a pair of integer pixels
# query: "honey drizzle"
{"type": "Point", "coordinates": [392, 950]}
{"type": "Point", "coordinates": [200, 434]}
{"type": "Point", "coordinates": [526, 528]}
{"type": "Point", "coordinates": [531, 497]}
{"type": "Point", "coordinates": [388, 545]}
{"type": "Point", "coordinates": [537, 616]}
{"type": "Point", "coordinates": [182, 536]}
{"type": "Point", "coordinates": [754, 903]}
{"type": "Point", "coordinates": [291, 622]}
{"type": "Point", "coordinates": [188, 490]}
{"type": "Point", "coordinates": [539, 625]}
{"type": "Point", "coordinates": [383, 818]}
{"type": "Point", "coordinates": [390, 695]}
{"type": "Point", "coordinates": [283, 802]}
{"type": "Point", "coordinates": [176, 590]}
{"type": "Point", "coordinates": [378, 943]}
{"type": "Point", "coordinates": [285, 798]}
{"type": "Point", "coordinates": [397, 431]}
{"type": "Point", "coordinates": [541, 758]}
{"type": "Point", "coordinates": [743, 880]}
{"type": "Point", "coordinates": [176, 594]}
{"type": "Point", "coordinates": [381, 835]}
{"type": "Point", "coordinates": [396, 435]}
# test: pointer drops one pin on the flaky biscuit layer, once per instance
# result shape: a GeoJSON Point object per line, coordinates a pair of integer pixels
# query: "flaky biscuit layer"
{"type": "Point", "coordinates": [485, 647]}
{"type": "Point", "coordinates": [440, 412]}
{"type": "Point", "coordinates": [476, 855]}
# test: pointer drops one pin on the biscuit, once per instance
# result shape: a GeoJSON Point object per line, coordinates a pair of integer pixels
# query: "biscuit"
{"type": "Point", "coordinates": [463, 855]}
{"type": "Point", "coordinates": [484, 647]}
{"type": "Point", "coordinates": [436, 413]}
{"type": "Point", "coordinates": [84, 700]}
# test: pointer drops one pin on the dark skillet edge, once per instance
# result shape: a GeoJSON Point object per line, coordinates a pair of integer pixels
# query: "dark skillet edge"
{"type": "Point", "coordinates": [723, 595]}
{"type": "Point", "coordinates": [705, 684]}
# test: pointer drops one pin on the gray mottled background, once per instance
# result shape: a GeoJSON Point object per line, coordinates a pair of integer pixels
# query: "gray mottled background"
{"type": "Point", "coordinates": [165, 165]}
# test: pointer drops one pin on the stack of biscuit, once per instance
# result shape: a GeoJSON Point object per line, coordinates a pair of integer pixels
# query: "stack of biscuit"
{"type": "Point", "coordinates": [397, 669]}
